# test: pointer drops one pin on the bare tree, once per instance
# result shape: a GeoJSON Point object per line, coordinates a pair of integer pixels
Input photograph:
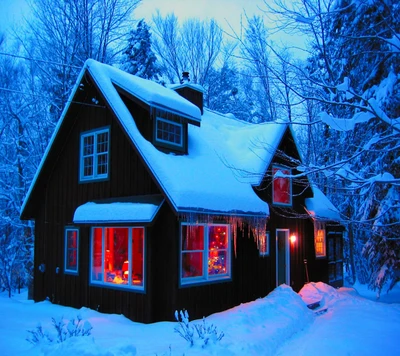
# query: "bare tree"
{"type": "Point", "coordinates": [194, 47]}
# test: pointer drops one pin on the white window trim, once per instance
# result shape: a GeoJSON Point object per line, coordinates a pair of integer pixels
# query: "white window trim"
{"type": "Point", "coordinates": [103, 252]}
{"type": "Point", "coordinates": [158, 119]}
{"type": "Point", "coordinates": [279, 167]}
{"type": "Point", "coordinates": [66, 269]}
{"type": "Point", "coordinates": [94, 176]}
{"type": "Point", "coordinates": [205, 278]}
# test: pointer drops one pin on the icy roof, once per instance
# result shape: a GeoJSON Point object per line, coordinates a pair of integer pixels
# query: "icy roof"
{"type": "Point", "coordinates": [226, 156]}
{"type": "Point", "coordinates": [320, 207]}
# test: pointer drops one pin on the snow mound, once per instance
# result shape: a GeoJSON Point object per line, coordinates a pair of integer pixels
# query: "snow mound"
{"type": "Point", "coordinates": [318, 292]}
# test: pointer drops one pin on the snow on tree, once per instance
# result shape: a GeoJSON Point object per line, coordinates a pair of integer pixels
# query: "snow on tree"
{"type": "Point", "coordinates": [139, 58]}
{"type": "Point", "coordinates": [353, 76]}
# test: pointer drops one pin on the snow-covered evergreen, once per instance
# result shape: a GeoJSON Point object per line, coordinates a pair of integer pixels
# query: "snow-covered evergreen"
{"type": "Point", "coordinates": [139, 58]}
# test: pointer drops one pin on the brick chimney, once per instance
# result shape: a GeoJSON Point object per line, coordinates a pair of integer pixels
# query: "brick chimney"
{"type": "Point", "coordinates": [191, 92]}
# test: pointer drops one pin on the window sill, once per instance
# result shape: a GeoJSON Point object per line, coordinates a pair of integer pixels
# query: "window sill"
{"type": "Point", "coordinates": [200, 282]}
{"type": "Point", "coordinates": [138, 289]}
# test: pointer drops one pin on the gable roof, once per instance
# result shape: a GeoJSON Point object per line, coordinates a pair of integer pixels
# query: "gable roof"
{"type": "Point", "coordinates": [226, 156]}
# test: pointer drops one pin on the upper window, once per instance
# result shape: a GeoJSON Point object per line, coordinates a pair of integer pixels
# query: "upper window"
{"type": "Point", "coordinates": [319, 239]}
{"type": "Point", "coordinates": [205, 253]}
{"type": "Point", "coordinates": [282, 185]}
{"type": "Point", "coordinates": [71, 250]}
{"type": "Point", "coordinates": [169, 132]}
{"type": "Point", "coordinates": [94, 156]}
{"type": "Point", "coordinates": [117, 257]}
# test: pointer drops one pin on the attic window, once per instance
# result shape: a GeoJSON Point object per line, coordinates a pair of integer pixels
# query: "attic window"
{"type": "Point", "coordinates": [94, 155]}
{"type": "Point", "coordinates": [118, 257]}
{"type": "Point", "coordinates": [282, 186]}
{"type": "Point", "coordinates": [169, 132]}
{"type": "Point", "coordinates": [205, 253]}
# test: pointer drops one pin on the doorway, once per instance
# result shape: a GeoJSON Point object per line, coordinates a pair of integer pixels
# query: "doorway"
{"type": "Point", "coordinates": [282, 257]}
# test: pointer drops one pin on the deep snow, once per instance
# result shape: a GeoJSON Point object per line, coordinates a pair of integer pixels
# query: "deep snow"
{"type": "Point", "coordinates": [279, 324]}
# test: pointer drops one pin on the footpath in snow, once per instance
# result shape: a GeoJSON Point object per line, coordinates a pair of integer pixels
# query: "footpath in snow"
{"type": "Point", "coordinates": [279, 324]}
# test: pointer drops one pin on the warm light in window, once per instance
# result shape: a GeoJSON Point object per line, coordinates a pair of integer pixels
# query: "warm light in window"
{"type": "Point", "coordinates": [293, 239]}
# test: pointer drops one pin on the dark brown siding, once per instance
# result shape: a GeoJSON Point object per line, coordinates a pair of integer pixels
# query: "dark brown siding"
{"type": "Point", "coordinates": [193, 95]}
{"type": "Point", "coordinates": [60, 193]}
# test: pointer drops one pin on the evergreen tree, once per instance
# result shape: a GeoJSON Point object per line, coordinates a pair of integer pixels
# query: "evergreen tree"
{"type": "Point", "coordinates": [139, 58]}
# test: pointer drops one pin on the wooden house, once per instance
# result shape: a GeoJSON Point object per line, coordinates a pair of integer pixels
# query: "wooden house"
{"type": "Point", "coordinates": [146, 203]}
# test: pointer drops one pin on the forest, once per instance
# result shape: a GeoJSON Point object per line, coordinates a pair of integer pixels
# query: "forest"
{"type": "Point", "coordinates": [342, 97]}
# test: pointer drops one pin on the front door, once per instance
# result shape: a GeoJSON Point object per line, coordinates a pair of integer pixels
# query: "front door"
{"type": "Point", "coordinates": [282, 257]}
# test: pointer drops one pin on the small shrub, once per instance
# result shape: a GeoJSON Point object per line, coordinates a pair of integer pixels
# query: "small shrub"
{"type": "Point", "coordinates": [204, 332]}
{"type": "Point", "coordinates": [64, 330]}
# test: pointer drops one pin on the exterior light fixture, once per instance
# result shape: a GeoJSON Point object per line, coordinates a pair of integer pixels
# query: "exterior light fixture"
{"type": "Point", "coordinates": [293, 238]}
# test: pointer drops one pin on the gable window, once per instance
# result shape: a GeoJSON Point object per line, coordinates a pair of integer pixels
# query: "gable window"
{"type": "Point", "coordinates": [281, 186]}
{"type": "Point", "coordinates": [169, 132]}
{"type": "Point", "coordinates": [94, 155]}
{"type": "Point", "coordinates": [71, 245]}
{"type": "Point", "coordinates": [117, 257]}
{"type": "Point", "coordinates": [205, 253]}
{"type": "Point", "coordinates": [319, 239]}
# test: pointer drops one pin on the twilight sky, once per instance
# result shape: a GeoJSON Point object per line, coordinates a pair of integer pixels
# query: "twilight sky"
{"type": "Point", "coordinates": [228, 13]}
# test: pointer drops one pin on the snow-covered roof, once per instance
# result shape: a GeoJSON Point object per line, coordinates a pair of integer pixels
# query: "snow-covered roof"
{"type": "Point", "coordinates": [226, 157]}
{"type": "Point", "coordinates": [147, 91]}
{"type": "Point", "coordinates": [133, 210]}
{"type": "Point", "coordinates": [320, 207]}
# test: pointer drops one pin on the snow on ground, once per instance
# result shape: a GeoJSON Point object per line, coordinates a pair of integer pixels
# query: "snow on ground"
{"type": "Point", "coordinates": [279, 324]}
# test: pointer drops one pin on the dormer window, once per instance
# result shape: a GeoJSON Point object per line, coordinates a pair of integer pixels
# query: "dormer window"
{"type": "Point", "coordinates": [169, 132]}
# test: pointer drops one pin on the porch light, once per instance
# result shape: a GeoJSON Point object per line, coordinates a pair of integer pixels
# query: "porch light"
{"type": "Point", "coordinates": [293, 238]}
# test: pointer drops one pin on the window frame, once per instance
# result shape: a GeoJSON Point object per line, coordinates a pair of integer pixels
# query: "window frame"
{"type": "Point", "coordinates": [320, 226]}
{"type": "Point", "coordinates": [166, 142]}
{"type": "Point", "coordinates": [68, 270]}
{"type": "Point", "coordinates": [102, 283]}
{"type": "Point", "coordinates": [266, 252]}
{"type": "Point", "coordinates": [206, 278]}
{"type": "Point", "coordinates": [95, 176]}
{"type": "Point", "coordinates": [282, 168]}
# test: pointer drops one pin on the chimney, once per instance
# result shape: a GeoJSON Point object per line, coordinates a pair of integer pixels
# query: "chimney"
{"type": "Point", "coordinates": [185, 77]}
{"type": "Point", "coordinates": [191, 92]}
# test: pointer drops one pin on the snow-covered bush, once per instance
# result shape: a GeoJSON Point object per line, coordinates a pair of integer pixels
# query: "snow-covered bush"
{"type": "Point", "coordinates": [64, 330]}
{"type": "Point", "coordinates": [204, 332]}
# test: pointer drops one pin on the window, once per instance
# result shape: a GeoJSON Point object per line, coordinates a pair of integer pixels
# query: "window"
{"type": "Point", "coordinates": [118, 257]}
{"type": "Point", "coordinates": [71, 250]}
{"type": "Point", "coordinates": [169, 132]}
{"type": "Point", "coordinates": [319, 239]}
{"type": "Point", "coordinates": [205, 253]}
{"type": "Point", "coordinates": [263, 245]}
{"type": "Point", "coordinates": [94, 155]}
{"type": "Point", "coordinates": [282, 186]}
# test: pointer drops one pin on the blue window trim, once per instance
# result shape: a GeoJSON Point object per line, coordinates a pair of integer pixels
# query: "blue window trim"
{"type": "Point", "coordinates": [94, 283]}
{"type": "Point", "coordinates": [94, 176]}
{"type": "Point", "coordinates": [66, 269]}
{"type": "Point", "coordinates": [180, 144]}
{"type": "Point", "coordinates": [266, 252]}
{"type": "Point", "coordinates": [205, 279]}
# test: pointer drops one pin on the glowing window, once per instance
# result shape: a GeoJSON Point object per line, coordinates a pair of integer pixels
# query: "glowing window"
{"type": "Point", "coordinates": [94, 155]}
{"type": "Point", "coordinates": [169, 132]}
{"type": "Point", "coordinates": [205, 253]}
{"type": "Point", "coordinates": [263, 245]}
{"type": "Point", "coordinates": [118, 257]}
{"type": "Point", "coordinates": [71, 263]}
{"type": "Point", "coordinates": [281, 186]}
{"type": "Point", "coordinates": [319, 240]}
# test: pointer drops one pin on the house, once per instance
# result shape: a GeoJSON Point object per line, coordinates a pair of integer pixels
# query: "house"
{"type": "Point", "coordinates": [146, 203]}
